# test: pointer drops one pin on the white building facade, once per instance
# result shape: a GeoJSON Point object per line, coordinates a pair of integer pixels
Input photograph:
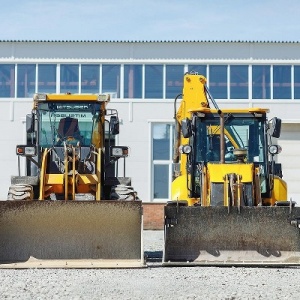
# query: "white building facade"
{"type": "Point", "coordinates": [143, 79]}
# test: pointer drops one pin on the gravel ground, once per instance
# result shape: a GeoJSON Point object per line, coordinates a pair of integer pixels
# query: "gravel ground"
{"type": "Point", "coordinates": [153, 282]}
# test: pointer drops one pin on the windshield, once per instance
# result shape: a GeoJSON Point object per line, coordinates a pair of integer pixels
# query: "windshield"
{"type": "Point", "coordinates": [240, 132]}
{"type": "Point", "coordinates": [72, 123]}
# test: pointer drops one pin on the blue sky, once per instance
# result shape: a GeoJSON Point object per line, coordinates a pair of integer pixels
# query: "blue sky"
{"type": "Point", "coordinates": [221, 20]}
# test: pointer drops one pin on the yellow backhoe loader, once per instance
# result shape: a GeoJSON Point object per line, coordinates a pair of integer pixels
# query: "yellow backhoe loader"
{"type": "Point", "coordinates": [71, 209]}
{"type": "Point", "coordinates": [229, 202]}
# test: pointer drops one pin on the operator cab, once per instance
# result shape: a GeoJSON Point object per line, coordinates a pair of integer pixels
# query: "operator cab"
{"type": "Point", "coordinates": [245, 139]}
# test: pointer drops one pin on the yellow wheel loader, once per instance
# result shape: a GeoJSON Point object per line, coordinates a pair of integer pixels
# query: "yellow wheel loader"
{"type": "Point", "coordinates": [229, 202]}
{"type": "Point", "coordinates": [71, 209]}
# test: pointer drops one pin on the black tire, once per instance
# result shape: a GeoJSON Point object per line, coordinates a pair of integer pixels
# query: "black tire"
{"type": "Point", "coordinates": [123, 192]}
{"type": "Point", "coordinates": [20, 192]}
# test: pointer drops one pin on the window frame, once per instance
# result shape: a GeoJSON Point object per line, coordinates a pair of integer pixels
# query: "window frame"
{"type": "Point", "coordinates": [158, 162]}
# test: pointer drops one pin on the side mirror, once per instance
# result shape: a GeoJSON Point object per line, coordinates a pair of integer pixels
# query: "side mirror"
{"type": "Point", "coordinates": [114, 125]}
{"type": "Point", "coordinates": [186, 128]}
{"type": "Point", "coordinates": [275, 127]}
{"type": "Point", "coordinates": [30, 123]}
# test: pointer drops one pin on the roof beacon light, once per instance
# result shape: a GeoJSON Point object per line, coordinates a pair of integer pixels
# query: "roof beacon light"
{"type": "Point", "coordinates": [40, 97]}
{"type": "Point", "coordinates": [103, 97]}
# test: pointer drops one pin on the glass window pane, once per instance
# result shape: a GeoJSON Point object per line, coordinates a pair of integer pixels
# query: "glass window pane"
{"type": "Point", "coordinates": [154, 81]}
{"type": "Point", "coordinates": [7, 81]}
{"type": "Point", "coordinates": [46, 78]}
{"type": "Point", "coordinates": [297, 82]}
{"type": "Point", "coordinates": [161, 181]}
{"type": "Point", "coordinates": [69, 78]}
{"type": "Point", "coordinates": [26, 80]}
{"type": "Point", "coordinates": [200, 69]}
{"type": "Point", "coordinates": [90, 79]}
{"type": "Point", "coordinates": [133, 81]}
{"type": "Point", "coordinates": [261, 82]}
{"type": "Point", "coordinates": [161, 141]}
{"type": "Point", "coordinates": [111, 80]}
{"type": "Point", "coordinates": [218, 81]}
{"type": "Point", "coordinates": [239, 82]}
{"type": "Point", "coordinates": [282, 82]}
{"type": "Point", "coordinates": [174, 77]}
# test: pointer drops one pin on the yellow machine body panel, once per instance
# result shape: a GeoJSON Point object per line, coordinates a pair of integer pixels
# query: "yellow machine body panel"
{"type": "Point", "coordinates": [74, 97]}
{"type": "Point", "coordinates": [217, 171]}
{"type": "Point", "coordinates": [54, 179]}
{"type": "Point", "coordinates": [253, 110]}
{"type": "Point", "coordinates": [279, 192]}
{"type": "Point", "coordinates": [179, 193]}
{"type": "Point", "coordinates": [279, 189]}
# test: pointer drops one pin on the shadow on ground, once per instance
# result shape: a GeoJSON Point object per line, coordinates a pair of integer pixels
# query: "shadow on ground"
{"type": "Point", "coordinates": [153, 256]}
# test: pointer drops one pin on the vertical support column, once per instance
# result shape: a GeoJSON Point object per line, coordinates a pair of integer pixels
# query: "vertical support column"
{"type": "Point", "coordinates": [66, 179]}
{"type": "Point", "coordinates": [98, 172]}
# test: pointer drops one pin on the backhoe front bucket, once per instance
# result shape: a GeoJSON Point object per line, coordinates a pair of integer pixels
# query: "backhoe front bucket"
{"type": "Point", "coordinates": [71, 234]}
{"type": "Point", "coordinates": [258, 236]}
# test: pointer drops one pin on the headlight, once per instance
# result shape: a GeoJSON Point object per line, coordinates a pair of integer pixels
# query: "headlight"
{"type": "Point", "coordinates": [119, 151]}
{"type": "Point", "coordinates": [26, 150]}
{"type": "Point", "coordinates": [185, 149]}
{"type": "Point", "coordinates": [274, 149]}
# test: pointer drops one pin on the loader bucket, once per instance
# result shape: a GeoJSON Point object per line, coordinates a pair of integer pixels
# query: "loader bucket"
{"type": "Point", "coordinates": [71, 234]}
{"type": "Point", "coordinates": [256, 236]}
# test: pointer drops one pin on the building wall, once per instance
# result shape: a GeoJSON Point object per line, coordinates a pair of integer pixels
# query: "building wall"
{"type": "Point", "coordinates": [153, 216]}
{"type": "Point", "coordinates": [12, 124]}
{"type": "Point", "coordinates": [289, 158]}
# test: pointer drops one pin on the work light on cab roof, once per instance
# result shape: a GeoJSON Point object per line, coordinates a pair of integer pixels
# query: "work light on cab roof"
{"type": "Point", "coordinates": [45, 97]}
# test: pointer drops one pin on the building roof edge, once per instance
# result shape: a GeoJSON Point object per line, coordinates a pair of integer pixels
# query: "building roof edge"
{"type": "Point", "coordinates": [149, 41]}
